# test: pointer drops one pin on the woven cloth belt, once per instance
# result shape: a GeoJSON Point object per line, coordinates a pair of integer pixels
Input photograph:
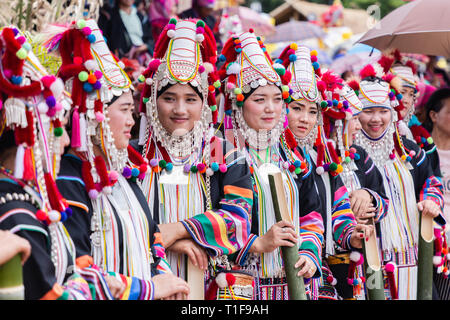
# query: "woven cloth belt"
{"type": "Point", "coordinates": [341, 258]}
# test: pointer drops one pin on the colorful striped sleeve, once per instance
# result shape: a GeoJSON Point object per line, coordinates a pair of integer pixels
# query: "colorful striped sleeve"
{"type": "Point", "coordinates": [343, 220]}
{"type": "Point", "coordinates": [160, 252]}
{"type": "Point", "coordinates": [225, 229]}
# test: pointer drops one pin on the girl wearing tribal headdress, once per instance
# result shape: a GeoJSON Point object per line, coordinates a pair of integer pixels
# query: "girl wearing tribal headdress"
{"type": "Point", "coordinates": [314, 97]}
{"type": "Point", "coordinates": [404, 70]}
{"type": "Point", "coordinates": [199, 186]}
{"type": "Point", "coordinates": [255, 94]}
{"type": "Point", "coordinates": [111, 225]}
{"type": "Point", "coordinates": [32, 138]}
{"type": "Point", "coordinates": [408, 179]}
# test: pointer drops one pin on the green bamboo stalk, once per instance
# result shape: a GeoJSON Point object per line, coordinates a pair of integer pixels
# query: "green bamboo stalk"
{"type": "Point", "coordinates": [296, 286]}
{"type": "Point", "coordinates": [11, 280]}
{"type": "Point", "coordinates": [425, 259]}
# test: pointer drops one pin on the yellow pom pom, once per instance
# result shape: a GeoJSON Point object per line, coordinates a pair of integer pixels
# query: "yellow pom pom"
{"type": "Point", "coordinates": [403, 157]}
{"type": "Point", "coordinates": [313, 52]}
{"type": "Point", "coordinates": [294, 46]}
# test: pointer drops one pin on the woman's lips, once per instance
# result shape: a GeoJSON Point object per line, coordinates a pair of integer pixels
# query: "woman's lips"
{"type": "Point", "coordinates": [179, 120]}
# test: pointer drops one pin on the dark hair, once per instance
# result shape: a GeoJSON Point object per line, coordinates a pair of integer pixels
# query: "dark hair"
{"type": "Point", "coordinates": [435, 103]}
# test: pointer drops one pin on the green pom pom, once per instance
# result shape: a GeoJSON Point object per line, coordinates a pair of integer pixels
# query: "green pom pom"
{"type": "Point", "coordinates": [298, 170]}
{"type": "Point", "coordinates": [430, 140]}
{"type": "Point", "coordinates": [83, 76]}
{"type": "Point", "coordinates": [22, 54]}
{"type": "Point", "coordinates": [145, 100]}
{"type": "Point", "coordinates": [284, 88]}
{"type": "Point", "coordinates": [323, 104]}
{"type": "Point", "coordinates": [217, 84]}
{"type": "Point", "coordinates": [58, 131]}
{"type": "Point", "coordinates": [333, 166]}
{"type": "Point", "coordinates": [173, 21]}
{"type": "Point", "coordinates": [239, 103]}
{"type": "Point", "coordinates": [288, 99]}
{"type": "Point", "coordinates": [81, 24]}
{"type": "Point", "coordinates": [141, 78]}
{"type": "Point", "coordinates": [237, 91]}
{"type": "Point", "coordinates": [200, 23]}
{"type": "Point", "coordinates": [280, 71]}
{"type": "Point", "coordinates": [347, 159]}
{"type": "Point", "coordinates": [213, 108]}
{"type": "Point", "coordinates": [162, 163]}
{"type": "Point", "coordinates": [194, 169]}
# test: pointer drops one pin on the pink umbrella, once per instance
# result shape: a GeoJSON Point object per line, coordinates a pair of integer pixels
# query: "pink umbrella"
{"type": "Point", "coordinates": [252, 19]}
{"type": "Point", "coordinates": [420, 26]}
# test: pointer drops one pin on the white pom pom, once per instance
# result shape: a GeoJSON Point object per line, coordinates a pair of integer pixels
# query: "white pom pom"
{"type": "Point", "coordinates": [320, 170]}
{"type": "Point", "coordinates": [42, 107]}
{"type": "Point", "coordinates": [334, 282]}
{"type": "Point", "coordinates": [107, 190]}
{"type": "Point", "coordinates": [171, 33]}
{"type": "Point", "coordinates": [149, 81]}
{"type": "Point", "coordinates": [199, 37]}
{"type": "Point", "coordinates": [437, 260]}
{"type": "Point", "coordinates": [355, 256]}
{"type": "Point", "coordinates": [439, 270]}
{"type": "Point", "coordinates": [234, 68]}
{"type": "Point", "coordinates": [90, 65]}
{"type": "Point", "coordinates": [209, 172]}
{"type": "Point", "coordinates": [208, 67]}
{"type": "Point", "coordinates": [221, 280]}
{"type": "Point", "coordinates": [54, 216]}
{"type": "Point", "coordinates": [57, 87]}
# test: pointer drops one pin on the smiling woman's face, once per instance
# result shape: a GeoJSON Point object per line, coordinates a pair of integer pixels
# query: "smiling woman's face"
{"type": "Point", "coordinates": [262, 109]}
{"type": "Point", "coordinates": [179, 107]}
{"type": "Point", "coordinates": [302, 117]}
{"type": "Point", "coordinates": [375, 120]}
{"type": "Point", "coordinates": [121, 120]}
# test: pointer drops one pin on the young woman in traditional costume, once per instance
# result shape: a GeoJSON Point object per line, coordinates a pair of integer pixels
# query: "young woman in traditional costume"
{"type": "Point", "coordinates": [307, 136]}
{"type": "Point", "coordinates": [406, 171]}
{"type": "Point", "coordinates": [111, 223]}
{"type": "Point", "coordinates": [255, 96]}
{"type": "Point", "coordinates": [32, 140]}
{"type": "Point", "coordinates": [198, 186]}
{"type": "Point", "coordinates": [404, 70]}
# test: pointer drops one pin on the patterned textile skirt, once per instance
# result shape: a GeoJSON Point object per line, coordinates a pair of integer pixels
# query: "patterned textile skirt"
{"type": "Point", "coordinates": [275, 289]}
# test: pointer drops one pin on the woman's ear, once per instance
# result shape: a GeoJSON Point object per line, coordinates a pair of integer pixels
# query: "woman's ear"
{"type": "Point", "coordinates": [433, 116]}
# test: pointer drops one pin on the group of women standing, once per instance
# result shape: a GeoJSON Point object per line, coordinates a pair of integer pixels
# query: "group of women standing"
{"type": "Point", "coordinates": [110, 218]}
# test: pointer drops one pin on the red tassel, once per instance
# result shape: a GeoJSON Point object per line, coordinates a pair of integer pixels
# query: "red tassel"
{"type": "Point", "coordinates": [87, 176]}
{"type": "Point", "coordinates": [332, 151]}
{"type": "Point", "coordinates": [134, 156]}
{"type": "Point", "coordinates": [28, 172]}
{"type": "Point", "coordinates": [100, 166]}
{"type": "Point", "coordinates": [54, 196]}
{"type": "Point", "coordinates": [390, 269]}
{"type": "Point", "coordinates": [290, 139]}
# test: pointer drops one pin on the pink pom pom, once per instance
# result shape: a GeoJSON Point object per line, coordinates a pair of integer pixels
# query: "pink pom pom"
{"type": "Point", "coordinates": [389, 267]}
{"type": "Point", "coordinates": [8, 73]}
{"type": "Point", "coordinates": [200, 30]}
{"type": "Point", "coordinates": [412, 153]}
{"type": "Point", "coordinates": [141, 176]}
{"type": "Point", "coordinates": [58, 106]}
{"type": "Point", "coordinates": [86, 31]}
{"type": "Point", "coordinates": [21, 39]}
{"type": "Point", "coordinates": [230, 86]}
{"type": "Point", "coordinates": [291, 51]}
{"type": "Point", "coordinates": [47, 81]}
{"type": "Point", "coordinates": [392, 156]}
{"type": "Point", "coordinates": [98, 74]}
{"type": "Point", "coordinates": [93, 194]}
{"type": "Point", "coordinates": [99, 116]}
{"type": "Point", "coordinates": [313, 58]}
{"type": "Point", "coordinates": [321, 85]}
{"type": "Point", "coordinates": [223, 168]}
{"type": "Point", "coordinates": [201, 69]}
{"type": "Point", "coordinates": [113, 175]}
{"type": "Point", "coordinates": [171, 26]}
{"type": "Point", "coordinates": [154, 64]}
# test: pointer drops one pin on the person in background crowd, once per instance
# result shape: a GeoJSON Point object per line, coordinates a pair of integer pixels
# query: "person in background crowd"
{"type": "Point", "coordinates": [201, 9]}
{"type": "Point", "coordinates": [127, 31]}
{"type": "Point", "coordinates": [160, 12]}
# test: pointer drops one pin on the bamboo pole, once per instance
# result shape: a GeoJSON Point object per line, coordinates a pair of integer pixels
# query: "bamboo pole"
{"type": "Point", "coordinates": [11, 280]}
{"type": "Point", "coordinates": [372, 267]}
{"type": "Point", "coordinates": [296, 286]}
{"type": "Point", "coordinates": [196, 281]}
{"type": "Point", "coordinates": [425, 259]}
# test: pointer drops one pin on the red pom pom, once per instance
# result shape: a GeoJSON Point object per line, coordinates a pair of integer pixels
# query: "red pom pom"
{"type": "Point", "coordinates": [231, 279]}
{"type": "Point", "coordinates": [367, 71]}
{"type": "Point", "coordinates": [77, 60]}
{"type": "Point", "coordinates": [154, 64]}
